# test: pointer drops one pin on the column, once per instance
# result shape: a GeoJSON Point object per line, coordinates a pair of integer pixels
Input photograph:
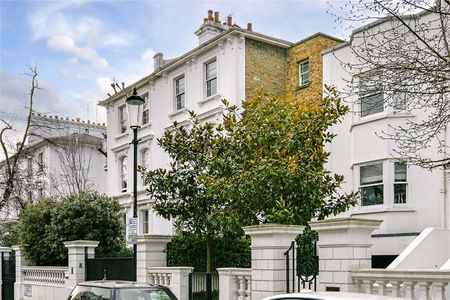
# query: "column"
{"type": "Point", "coordinates": [269, 243]}
{"type": "Point", "coordinates": [77, 258]}
{"type": "Point", "coordinates": [344, 245]}
{"type": "Point", "coordinates": [20, 262]}
{"type": "Point", "coordinates": [4, 253]}
{"type": "Point", "coordinates": [151, 252]}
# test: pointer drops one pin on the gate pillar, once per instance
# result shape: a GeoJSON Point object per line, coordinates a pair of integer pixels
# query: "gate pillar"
{"type": "Point", "coordinates": [4, 252]}
{"type": "Point", "coordinates": [20, 262]}
{"type": "Point", "coordinates": [269, 242]}
{"type": "Point", "coordinates": [344, 245]}
{"type": "Point", "coordinates": [151, 252]}
{"type": "Point", "coordinates": [77, 251]}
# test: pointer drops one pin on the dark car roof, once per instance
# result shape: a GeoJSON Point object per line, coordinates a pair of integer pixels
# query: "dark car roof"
{"type": "Point", "coordinates": [117, 284]}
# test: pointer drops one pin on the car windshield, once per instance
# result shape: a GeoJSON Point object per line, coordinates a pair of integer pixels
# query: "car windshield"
{"type": "Point", "coordinates": [143, 294]}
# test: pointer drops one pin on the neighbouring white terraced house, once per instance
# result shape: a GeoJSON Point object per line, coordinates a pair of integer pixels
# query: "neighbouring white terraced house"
{"type": "Point", "coordinates": [229, 63]}
{"type": "Point", "coordinates": [406, 197]}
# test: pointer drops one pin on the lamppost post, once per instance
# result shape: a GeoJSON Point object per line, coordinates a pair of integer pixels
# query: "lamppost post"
{"type": "Point", "coordinates": [134, 104]}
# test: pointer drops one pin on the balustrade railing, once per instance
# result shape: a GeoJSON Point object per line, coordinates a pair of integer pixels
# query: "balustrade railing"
{"type": "Point", "coordinates": [238, 281]}
{"type": "Point", "coordinates": [408, 284]}
{"type": "Point", "coordinates": [53, 276]}
{"type": "Point", "coordinates": [161, 278]}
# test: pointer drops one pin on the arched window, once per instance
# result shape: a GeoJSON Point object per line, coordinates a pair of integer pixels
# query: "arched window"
{"type": "Point", "coordinates": [123, 174]}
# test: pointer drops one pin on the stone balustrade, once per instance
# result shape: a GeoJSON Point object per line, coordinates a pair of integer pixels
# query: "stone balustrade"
{"type": "Point", "coordinates": [408, 284]}
{"type": "Point", "coordinates": [160, 278]}
{"type": "Point", "coordinates": [52, 276]}
{"type": "Point", "coordinates": [235, 283]}
{"type": "Point", "coordinates": [175, 278]}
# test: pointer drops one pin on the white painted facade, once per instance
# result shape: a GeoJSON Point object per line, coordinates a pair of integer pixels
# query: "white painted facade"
{"type": "Point", "coordinates": [357, 145]}
{"type": "Point", "coordinates": [227, 48]}
{"type": "Point", "coordinates": [61, 156]}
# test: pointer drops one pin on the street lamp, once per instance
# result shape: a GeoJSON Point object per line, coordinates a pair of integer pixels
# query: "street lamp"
{"type": "Point", "coordinates": [134, 104]}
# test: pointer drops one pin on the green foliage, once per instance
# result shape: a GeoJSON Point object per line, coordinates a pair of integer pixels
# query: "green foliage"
{"type": "Point", "coordinates": [44, 227]}
{"type": "Point", "coordinates": [278, 160]}
{"type": "Point", "coordinates": [263, 165]}
{"type": "Point", "coordinates": [9, 234]}
{"type": "Point", "coordinates": [307, 259]}
{"type": "Point", "coordinates": [187, 249]}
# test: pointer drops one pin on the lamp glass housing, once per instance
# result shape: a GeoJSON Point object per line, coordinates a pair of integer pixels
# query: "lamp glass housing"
{"type": "Point", "coordinates": [134, 107]}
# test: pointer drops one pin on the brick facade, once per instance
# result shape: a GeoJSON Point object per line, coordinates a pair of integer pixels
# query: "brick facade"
{"type": "Point", "coordinates": [308, 48]}
{"type": "Point", "coordinates": [275, 69]}
{"type": "Point", "coordinates": [265, 67]}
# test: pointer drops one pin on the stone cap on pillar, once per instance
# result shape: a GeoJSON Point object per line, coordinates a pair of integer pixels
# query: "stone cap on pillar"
{"type": "Point", "coordinates": [154, 238]}
{"type": "Point", "coordinates": [81, 244]}
{"type": "Point", "coordinates": [273, 235]}
{"type": "Point", "coordinates": [16, 248]}
{"type": "Point", "coordinates": [5, 249]}
{"type": "Point", "coordinates": [346, 230]}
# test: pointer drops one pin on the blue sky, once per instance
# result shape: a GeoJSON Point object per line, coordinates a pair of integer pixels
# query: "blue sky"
{"type": "Point", "coordinates": [80, 46]}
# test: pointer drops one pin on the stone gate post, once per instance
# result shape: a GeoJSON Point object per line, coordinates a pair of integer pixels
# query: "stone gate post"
{"type": "Point", "coordinates": [151, 252]}
{"type": "Point", "coordinates": [344, 244]}
{"type": "Point", "coordinates": [77, 254]}
{"type": "Point", "coordinates": [20, 262]}
{"type": "Point", "coordinates": [269, 242]}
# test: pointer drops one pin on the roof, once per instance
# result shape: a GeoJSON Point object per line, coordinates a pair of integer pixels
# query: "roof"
{"type": "Point", "coordinates": [210, 43]}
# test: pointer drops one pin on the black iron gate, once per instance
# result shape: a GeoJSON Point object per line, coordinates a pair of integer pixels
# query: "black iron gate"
{"type": "Point", "coordinates": [111, 268]}
{"type": "Point", "coordinates": [302, 265]}
{"type": "Point", "coordinates": [8, 275]}
{"type": "Point", "coordinates": [203, 286]}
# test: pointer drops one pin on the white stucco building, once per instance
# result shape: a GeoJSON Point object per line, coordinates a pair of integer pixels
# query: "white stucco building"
{"type": "Point", "coordinates": [61, 157]}
{"type": "Point", "coordinates": [406, 197]}
{"type": "Point", "coordinates": [229, 63]}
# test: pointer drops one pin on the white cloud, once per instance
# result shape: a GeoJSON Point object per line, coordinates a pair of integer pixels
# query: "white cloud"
{"type": "Point", "coordinates": [147, 58]}
{"type": "Point", "coordinates": [104, 85]}
{"type": "Point", "coordinates": [66, 44]}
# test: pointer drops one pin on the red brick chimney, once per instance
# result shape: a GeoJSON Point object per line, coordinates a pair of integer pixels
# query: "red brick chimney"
{"type": "Point", "coordinates": [249, 27]}
{"type": "Point", "coordinates": [210, 15]}
{"type": "Point", "coordinates": [229, 20]}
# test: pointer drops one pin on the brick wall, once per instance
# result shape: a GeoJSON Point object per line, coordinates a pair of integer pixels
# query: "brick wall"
{"type": "Point", "coordinates": [265, 67]}
{"type": "Point", "coordinates": [308, 48]}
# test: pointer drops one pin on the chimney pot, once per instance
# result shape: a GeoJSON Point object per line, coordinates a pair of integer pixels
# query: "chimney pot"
{"type": "Point", "coordinates": [205, 20]}
{"type": "Point", "coordinates": [210, 15]}
{"type": "Point", "coordinates": [249, 27]}
{"type": "Point", "coordinates": [229, 20]}
{"type": "Point", "coordinates": [78, 120]}
{"type": "Point", "coordinates": [158, 60]}
{"type": "Point", "coordinates": [216, 17]}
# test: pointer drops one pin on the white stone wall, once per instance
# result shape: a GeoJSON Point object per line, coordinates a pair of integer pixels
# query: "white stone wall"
{"type": "Point", "coordinates": [230, 57]}
{"type": "Point", "coordinates": [357, 144]}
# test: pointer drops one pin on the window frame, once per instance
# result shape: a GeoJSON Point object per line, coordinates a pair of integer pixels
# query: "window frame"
{"type": "Point", "coordinates": [181, 94]}
{"type": "Point", "coordinates": [301, 83]}
{"type": "Point", "coordinates": [144, 163]}
{"type": "Point", "coordinates": [40, 162]}
{"type": "Point", "coordinates": [123, 173]}
{"type": "Point", "coordinates": [377, 93]}
{"type": "Point", "coordinates": [146, 109]}
{"type": "Point", "coordinates": [145, 221]}
{"type": "Point", "coordinates": [208, 92]}
{"type": "Point", "coordinates": [123, 119]}
{"type": "Point", "coordinates": [373, 184]}
{"type": "Point", "coordinates": [400, 182]}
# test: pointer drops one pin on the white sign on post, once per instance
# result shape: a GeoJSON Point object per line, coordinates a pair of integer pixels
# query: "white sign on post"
{"type": "Point", "coordinates": [132, 231]}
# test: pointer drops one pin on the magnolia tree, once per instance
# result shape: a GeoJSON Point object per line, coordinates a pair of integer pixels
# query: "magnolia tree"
{"type": "Point", "coordinates": [264, 164]}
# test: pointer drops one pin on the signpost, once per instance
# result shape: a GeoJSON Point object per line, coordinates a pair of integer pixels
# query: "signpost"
{"type": "Point", "coordinates": [132, 231]}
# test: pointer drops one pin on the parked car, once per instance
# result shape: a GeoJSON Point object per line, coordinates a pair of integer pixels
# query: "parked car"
{"type": "Point", "coordinates": [120, 290]}
{"type": "Point", "coordinates": [328, 296]}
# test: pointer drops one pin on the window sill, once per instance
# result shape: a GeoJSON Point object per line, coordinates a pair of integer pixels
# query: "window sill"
{"type": "Point", "coordinates": [376, 209]}
{"type": "Point", "coordinates": [148, 125]}
{"type": "Point", "coordinates": [178, 112]}
{"type": "Point", "coordinates": [121, 136]}
{"type": "Point", "coordinates": [379, 116]}
{"type": "Point", "coordinates": [210, 98]}
{"type": "Point", "coordinates": [301, 87]}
